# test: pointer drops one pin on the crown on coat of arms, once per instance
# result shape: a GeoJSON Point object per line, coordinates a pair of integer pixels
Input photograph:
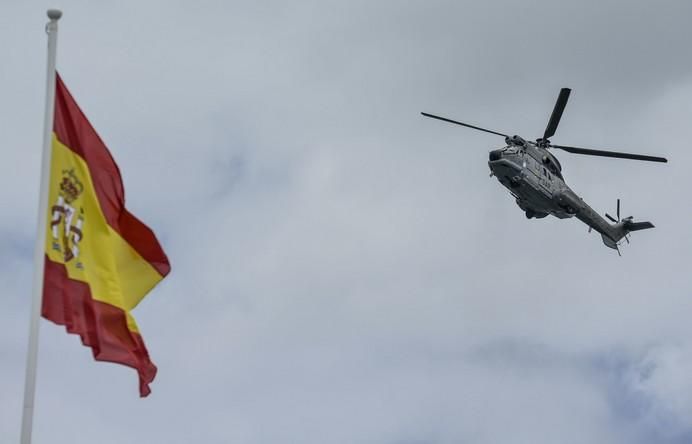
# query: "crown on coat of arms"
{"type": "Point", "coordinates": [70, 186]}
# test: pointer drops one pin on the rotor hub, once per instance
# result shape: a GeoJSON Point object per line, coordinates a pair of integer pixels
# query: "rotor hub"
{"type": "Point", "coordinates": [542, 143]}
{"type": "Point", "coordinates": [515, 141]}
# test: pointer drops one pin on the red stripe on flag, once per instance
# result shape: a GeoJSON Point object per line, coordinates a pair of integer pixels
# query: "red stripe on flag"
{"type": "Point", "coordinates": [101, 326]}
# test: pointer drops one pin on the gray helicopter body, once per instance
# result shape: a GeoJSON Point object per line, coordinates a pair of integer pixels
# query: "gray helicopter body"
{"type": "Point", "coordinates": [533, 175]}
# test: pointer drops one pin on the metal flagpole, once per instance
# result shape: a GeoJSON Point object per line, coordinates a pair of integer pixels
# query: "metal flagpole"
{"type": "Point", "coordinates": [37, 287]}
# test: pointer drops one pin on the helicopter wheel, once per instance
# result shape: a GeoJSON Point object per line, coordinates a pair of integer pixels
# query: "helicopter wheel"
{"type": "Point", "coordinates": [530, 214]}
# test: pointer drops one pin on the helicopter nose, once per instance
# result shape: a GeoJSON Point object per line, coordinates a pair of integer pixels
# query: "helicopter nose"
{"type": "Point", "coordinates": [495, 155]}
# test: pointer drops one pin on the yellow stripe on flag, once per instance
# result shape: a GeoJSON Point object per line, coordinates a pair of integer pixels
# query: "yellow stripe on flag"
{"type": "Point", "coordinates": [114, 271]}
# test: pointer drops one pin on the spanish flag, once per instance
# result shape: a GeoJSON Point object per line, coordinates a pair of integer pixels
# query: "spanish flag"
{"type": "Point", "coordinates": [100, 260]}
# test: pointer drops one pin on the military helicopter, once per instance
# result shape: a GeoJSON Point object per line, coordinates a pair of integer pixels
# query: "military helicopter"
{"type": "Point", "coordinates": [533, 175]}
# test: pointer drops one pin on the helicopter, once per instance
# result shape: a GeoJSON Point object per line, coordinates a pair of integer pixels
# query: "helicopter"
{"type": "Point", "coordinates": [533, 175]}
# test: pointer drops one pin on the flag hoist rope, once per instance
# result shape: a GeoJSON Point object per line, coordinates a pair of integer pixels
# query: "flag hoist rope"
{"type": "Point", "coordinates": [39, 249]}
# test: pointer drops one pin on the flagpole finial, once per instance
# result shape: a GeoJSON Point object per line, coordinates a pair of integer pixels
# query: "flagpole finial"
{"type": "Point", "coordinates": [54, 14]}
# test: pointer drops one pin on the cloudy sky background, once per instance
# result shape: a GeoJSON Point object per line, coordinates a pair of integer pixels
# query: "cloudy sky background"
{"type": "Point", "coordinates": [344, 271]}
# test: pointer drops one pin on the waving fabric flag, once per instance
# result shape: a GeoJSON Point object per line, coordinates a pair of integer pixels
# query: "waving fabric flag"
{"type": "Point", "coordinates": [100, 260]}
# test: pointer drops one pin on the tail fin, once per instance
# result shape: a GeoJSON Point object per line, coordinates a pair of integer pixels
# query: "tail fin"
{"type": "Point", "coordinates": [610, 243]}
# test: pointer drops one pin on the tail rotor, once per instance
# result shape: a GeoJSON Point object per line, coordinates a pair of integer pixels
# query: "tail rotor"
{"type": "Point", "coordinates": [622, 227]}
{"type": "Point", "coordinates": [612, 219]}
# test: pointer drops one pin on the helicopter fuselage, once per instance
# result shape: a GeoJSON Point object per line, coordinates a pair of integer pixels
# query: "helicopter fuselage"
{"type": "Point", "coordinates": [533, 176]}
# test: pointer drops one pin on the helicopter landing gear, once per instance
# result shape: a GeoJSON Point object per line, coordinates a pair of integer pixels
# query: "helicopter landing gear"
{"type": "Point", "coordinates": [530, 214]}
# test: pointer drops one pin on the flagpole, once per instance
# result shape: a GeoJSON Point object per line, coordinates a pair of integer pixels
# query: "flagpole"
{"type": "Point", "coordinates": [39, 248]}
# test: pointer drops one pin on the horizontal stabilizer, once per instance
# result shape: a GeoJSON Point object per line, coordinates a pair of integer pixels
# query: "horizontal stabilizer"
{"type": "Point", "coordinates": [636, 226]}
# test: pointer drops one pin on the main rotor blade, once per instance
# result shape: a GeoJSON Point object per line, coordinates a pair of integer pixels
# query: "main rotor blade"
{"type": "Point", "coordinates": [464, 124]}
{"type": "Point", "coordinates": [575, 150]}
{"type": "Point", "coordinates": [618, 213]}
{"type": "Point", "coordinates": [557, 113]}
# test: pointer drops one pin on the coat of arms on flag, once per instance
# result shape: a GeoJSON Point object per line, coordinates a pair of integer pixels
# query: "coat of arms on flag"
{"type": "Point", "coordinates": [68, 218]}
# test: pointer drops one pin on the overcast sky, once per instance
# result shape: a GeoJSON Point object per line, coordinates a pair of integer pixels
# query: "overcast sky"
{"type": "Point", "coordinates": [344, 270]}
